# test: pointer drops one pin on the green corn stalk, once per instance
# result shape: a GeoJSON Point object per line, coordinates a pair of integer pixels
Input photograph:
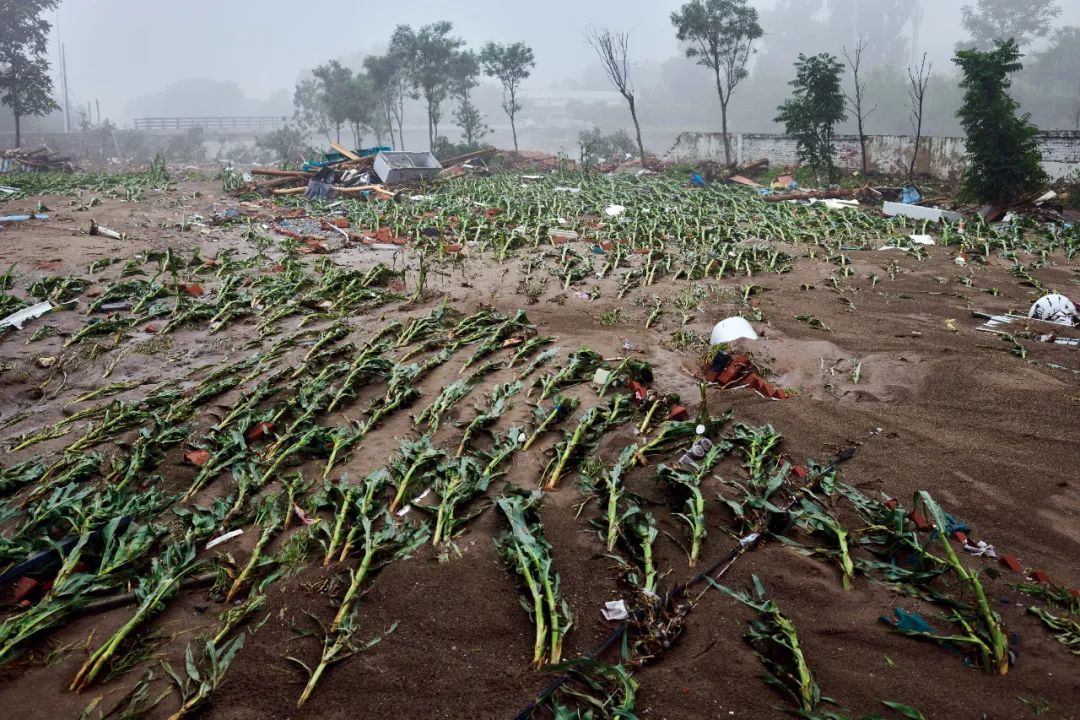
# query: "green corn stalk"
{"type": "Point", "coordinates": [527, 348]}
{"type": "Point", "coordinates": [814, 517]}
{"type": "Point", "coordinates": [526, 551]}
{"type": "Point", "coordinates": [364, 504]}
{"type": "Point", "coordinates": [401, 540]}
{"type": "Point", "coordinates": [202, 679]}
{"type": "Point", "coordinates": [539, 361]}
{"type": "Point", "coordinates": [502, 450]}
{"type": "Point", "coordinates": [613, 490]}
{"type": "Point", "coordinates": [498, 403]}
{"type": "Point", "coordinates": [341, 519]}
{"type": "Point", "coordinates": [566, 449]}
{"type": "Point", "coordinates": [415, 459]}
{"type": "Point", "coordinates": [450, 396]}
{"type": "Point", "coordinates": [756, 444]}
{"type": "Point", "coordinates": [690, 483]}
{"type": "Point", "coordinates": [331, 335]}
{"type": "Point", "coordinates": [775, 641]}
{"type": "Point", "coordinates": [515, 326]}
{"type": "Point", "coordinates": [579, 367]}
{"type": "Point", "coordinates": [641, 534]}
{"type": "Point", "coordinates": [991, 639]}
{"type": "Point", "coordinates": [235, 616]}
{"type": "Point", "coordinates": [269, 517]}
{"type": "Point", "coordinates": [166, 572]}
{"type": "Point", "coordinates": [1064, 630]}
{"type": "Point", "coordinates": [562, 406]}
{"type": "Point", "coordinates": [457, 482]}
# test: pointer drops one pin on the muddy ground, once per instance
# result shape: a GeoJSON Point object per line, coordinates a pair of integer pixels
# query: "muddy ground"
{"type": "Point", "coordinates": [938, 407]}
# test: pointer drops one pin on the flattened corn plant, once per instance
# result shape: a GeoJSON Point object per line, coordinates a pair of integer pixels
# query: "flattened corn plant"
{"type": "Point", "coordinates": [383, 541]}
{"type": "Point", "coordinates": [526, 551]}
{"type": "Point", "coordinates": [688, 484]}
{"type": "Point", "coordinates": [907, 562]}
{"type": "Point", "coordinates": [592, 425]}
{"type": "Point", "coordinates": [775, 641]}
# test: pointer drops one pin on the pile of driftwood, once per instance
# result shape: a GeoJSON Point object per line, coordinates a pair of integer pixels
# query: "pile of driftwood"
{"type": "Point", "coordinates": [40, 159]}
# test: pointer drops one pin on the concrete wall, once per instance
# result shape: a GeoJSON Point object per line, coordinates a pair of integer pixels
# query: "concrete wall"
{"type": "Point", "coordinates": [941, 157]}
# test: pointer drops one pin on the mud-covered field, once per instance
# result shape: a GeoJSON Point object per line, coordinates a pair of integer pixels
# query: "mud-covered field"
{"type": "Point", "coordinates": [354, 387]}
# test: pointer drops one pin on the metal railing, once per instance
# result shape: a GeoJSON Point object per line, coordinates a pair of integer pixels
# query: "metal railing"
{"type": "Point", "coordinates": [252, 122]}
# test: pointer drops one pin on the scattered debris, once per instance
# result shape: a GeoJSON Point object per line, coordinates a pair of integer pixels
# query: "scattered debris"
{"type": "Point", "coordinates": [394, 168]}
{"type": "Point", "coordinates": [96, 229]}
{"type": "Point", "coordinates": [224, 538]}
{"type": "Point", "coordinates": [1055, 308]}
{"type": "Point", "coordinates": [42, 159]}
{"type": "Point", "coordinates": [918, 212]}
{"type": "Point", "coordinates": [16, 319]}
{"type": "Point", "coordinates": [615, 610]}
{"type": "Point", "coordinates": [732, 329]}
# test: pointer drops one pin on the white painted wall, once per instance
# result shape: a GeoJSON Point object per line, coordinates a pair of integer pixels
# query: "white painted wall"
{"type": "Point", "coordinates": [941, 157]}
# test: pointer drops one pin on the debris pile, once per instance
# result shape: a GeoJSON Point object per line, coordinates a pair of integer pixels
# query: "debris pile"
{"type": "Point", "coordinates": [341, 172]}
{"type": "Point", "coordinates": [42, 159]}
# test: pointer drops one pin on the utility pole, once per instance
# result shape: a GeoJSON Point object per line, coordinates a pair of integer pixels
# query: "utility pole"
{"type": "Point", "coordinates": [98, 103]}
{"type": "Point", "coordinates": [63, 75]}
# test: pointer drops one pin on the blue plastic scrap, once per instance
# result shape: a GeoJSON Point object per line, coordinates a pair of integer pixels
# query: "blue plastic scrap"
{"type": "Point", "coordinates": [953, 525]}
{"type": "Point", "coordinates": [910, 195]}
{"type": "Point", "coordinates": [697, 181]}
{"type": "Point", "coordinates": [23, 218]}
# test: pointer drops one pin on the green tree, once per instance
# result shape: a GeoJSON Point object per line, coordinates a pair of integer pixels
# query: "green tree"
{"type": "Point", "coordinates": [25, 85]}
{"type": "Point", "coordinates": [815, 107]}
{"type": "Point", "coordinates": [1025, 21]}
{"type": "Point", "coordinates": [388, 84]}
{"type": "Point", "coordinates": [429, 55]}
{"type": "Point", "coordinates": [310, 104]}
{"type": "Point", "coordinates": [286, 143]}
{"type": "Point", "coordinates": [720, 35]}
{"type": "Point", "coordinates": [1003, 159]}
{"type": "Point", "coordinates": [335, 89]}
{"type": "Point", "coordinates": [361, 111]}
{"type": "Point", "coordinates": [512, 65]}
{"type": "Point", "coordinates": [466, 76]}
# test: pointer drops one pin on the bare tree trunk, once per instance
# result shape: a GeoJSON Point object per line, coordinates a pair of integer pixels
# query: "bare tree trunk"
{"type": "Point", "coordinates": [637, 129]}
{"type": "Point", "coordinates": [727, 138]}
{"type": "Point", "coordinates": [723, 116]}
{"type": "Point", "coordinates": [18, 131]}
{"type": "Point", "coordinates": [512, 113]}
{"type": "Point", "coordinates": [430, 130]}
{"type": "Point", "coordinates": [862, 147]}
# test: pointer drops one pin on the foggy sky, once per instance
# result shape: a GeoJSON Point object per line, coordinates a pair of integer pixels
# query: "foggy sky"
{"type": "Point", "coordinates": [120, 50]}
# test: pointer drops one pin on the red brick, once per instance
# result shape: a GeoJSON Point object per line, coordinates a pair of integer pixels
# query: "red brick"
{"type": "Point", "coordinates": [892, 503]}
{"type": "Point", "coordinates": [197, 457]}
{"type": "Point", "coordinates": [257, 430]}
{"type": "Point", "coordinates": [25, 588]}
{"type": "Point", "coordinates": [1040, 576]}
{"type": "Point", "coordinates": [678, 413]}
{"type": "Point", "coordinates": [1011, 562]}
{"type": "Point", "coordinates": [920, 520]}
